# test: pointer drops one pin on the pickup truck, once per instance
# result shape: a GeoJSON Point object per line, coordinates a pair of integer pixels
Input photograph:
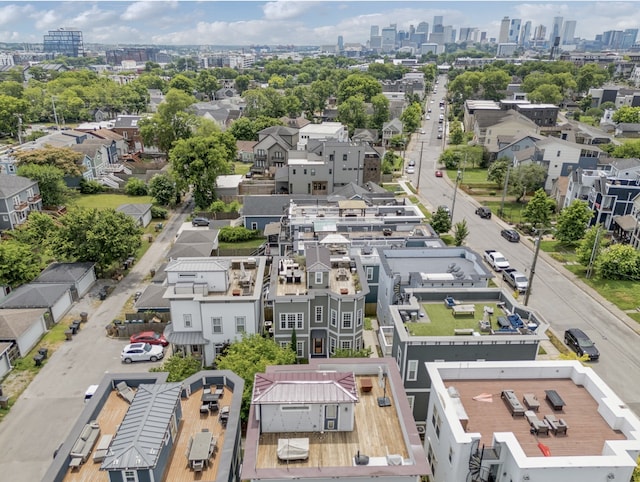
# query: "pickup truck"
{"type": "Point", "coordinates": [516, 279]}
{"type": "Point", "coordinates": [496, 260]}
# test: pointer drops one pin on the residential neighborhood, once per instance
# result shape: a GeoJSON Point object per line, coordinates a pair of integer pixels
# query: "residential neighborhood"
{"type": "Point", "coordinates": [403, 252]}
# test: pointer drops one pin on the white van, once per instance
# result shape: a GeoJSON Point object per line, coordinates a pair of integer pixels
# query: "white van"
{"type": "Point", "coordinates": [90, 392]}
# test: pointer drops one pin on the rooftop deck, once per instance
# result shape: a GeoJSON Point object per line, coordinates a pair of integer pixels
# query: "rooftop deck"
{"type": "Point", "coordinates": [377, 433]}
{"type": "Point", "coordinates": [587, 430]}
{"type": "Point", "coordinates": [341, 280]}
{"type": "Point", "coordinates": [177, 470]}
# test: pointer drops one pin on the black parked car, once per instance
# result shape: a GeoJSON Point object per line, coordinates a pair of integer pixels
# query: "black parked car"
{"type": "Point", "coordinates": [579, 342]}
{"type": "Point", "coordinates": [484, 212]}
{"type": "Point", "coordinates": [510, 235]}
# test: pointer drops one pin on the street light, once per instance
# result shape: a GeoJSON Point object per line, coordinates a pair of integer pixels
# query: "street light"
{"type": "Point", "coordinates": [533, 263]}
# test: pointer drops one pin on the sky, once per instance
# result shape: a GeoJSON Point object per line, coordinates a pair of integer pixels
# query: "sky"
{"type": "Point", "coordinates": [302, 22]}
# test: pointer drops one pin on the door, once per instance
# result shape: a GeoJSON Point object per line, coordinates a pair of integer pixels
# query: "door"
{"type": "Point", "coordinates": [318, 346]}
{"type": "Point", "coordinates": [331, 417]}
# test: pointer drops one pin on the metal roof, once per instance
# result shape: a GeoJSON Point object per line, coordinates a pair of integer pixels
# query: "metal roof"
{"type": "Point", "coordinates": [140, 437]}
{"type": "Point", "coordinates": [198, 264]}
{"type": "Point", "coordinates": [184, 337]}
{"type": "Point", "coordinates": [305, 387]}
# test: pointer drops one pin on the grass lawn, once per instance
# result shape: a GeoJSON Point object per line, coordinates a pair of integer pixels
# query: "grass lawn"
{"type": "Point", "coordinates": [558, 251]}
{"type": "Point", "coordinates": [241, 167]}
{"type": "Point", "coordinates": [634, 316]}
{"type": "Point", "coordinates": [253, 243]}
{"type": "Point", "coordinates": [512, 210]}
{"type": "Point", "coordinates": [441, 322]}
{"type": "Point", "coordinates": [623, 294]}
{"type": "Point", "coordinates": [105, 201]}
{"type": "Point", "coordinates": [476, 177]}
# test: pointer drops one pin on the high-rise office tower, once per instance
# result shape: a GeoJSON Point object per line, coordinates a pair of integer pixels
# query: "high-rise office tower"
{"type": "Point", "coordinates": [64, 41]}
{"type": "Point", "coordinates": [423, 28]}
{"type": "Point", "coordinates": [514, 30]}
{"type": "Point", "coordinates": [375, 31]}
{"type": "Point", "coordinates": [525, 34]}
{"type": "Point", "coordinates": [438, 21]}
{"type": "Point", "coordinates": [556, 29]}
{"type": "Point", "coordinates": [629, 37]}
{"type": "Point", "coordinates": [568, 33]}
{"type": "Point", "coordinates": [503, 37]}
{"type": "Point", "coordinates": [340, 43]}
{"type": "Point", "coordinates": [389, 38]}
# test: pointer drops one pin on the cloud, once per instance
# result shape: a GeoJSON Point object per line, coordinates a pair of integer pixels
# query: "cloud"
{"type": "Point", "coordinates": [47, 20]}
{"type": "Point", "coordinates": [145, 10]}
{"type": "Point", "coordinates": [10, 14]}
{"type": "Point", "coordinates": [285, 9]}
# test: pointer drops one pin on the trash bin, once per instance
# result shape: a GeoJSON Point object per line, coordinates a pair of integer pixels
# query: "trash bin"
{"type": "Point", "coordinates": [4, 402]}
{"type": "Point", "coordinates": [84, 316]}
{"type": "Point", "coordinates": [73, 329]}
{"type": "Point", "coordinates": [44, 352]}
{"type": "Point", "coordinates": [69, 334]}
{"type": "Point", "coordinates": [75, 325]}
{"type": "Point", "coordinates": [152, 272]}
{"type": "Point", "coordinates": [38, 359]}
{"type": "Point", "coordinates": [150, 238]}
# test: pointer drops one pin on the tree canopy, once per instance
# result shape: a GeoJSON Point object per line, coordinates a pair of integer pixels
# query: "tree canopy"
{"type": "Point", "coordinates": [64, 158]}
{"type": "Point", "coordinates": [50, 181]}
{"type": "Point", "coordinates": [171, 123]}
{"type": "Point", "coordinates": [627, 114]}
{"type": "Point", "coordinates": [539, 209]}
{"type": "Point", "coordinates": [526, 178]}
{"type": "Point", "coordinates": [572, 222]}
{"type": "Point", "coordinates": [19, 263]}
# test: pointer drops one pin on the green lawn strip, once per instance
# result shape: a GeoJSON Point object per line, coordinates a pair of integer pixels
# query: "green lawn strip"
{"type": "Point", "coordinates": [253, 243]}
{"type": "Point", "coordinates": [241, 167]}
{"type": "Point", "coordinates": [634, 316]}
{"type": "Point", "coordinates": [623, 294]}
{"type": "Point", "coordinates": [106, 201]}
{"type": "Point", "coordinates": [441, 322]}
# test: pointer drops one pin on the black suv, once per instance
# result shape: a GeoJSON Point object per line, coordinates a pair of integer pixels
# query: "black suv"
{"type": "Point", "coordinates": [484, 212]}
{"type": "Point", "coordinates": [579, 342]}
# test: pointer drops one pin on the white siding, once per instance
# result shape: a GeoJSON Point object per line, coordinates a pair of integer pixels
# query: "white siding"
{"type": "Point", "coordinates": [60, 307]}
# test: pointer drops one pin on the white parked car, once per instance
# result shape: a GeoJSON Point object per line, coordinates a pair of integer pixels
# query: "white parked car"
{"type": "Point", "coordinates": [411, 170]}
{"type": "Point", "coordinates": [141, 352]}
{"type": "Point", "coordinates": [428, 117]}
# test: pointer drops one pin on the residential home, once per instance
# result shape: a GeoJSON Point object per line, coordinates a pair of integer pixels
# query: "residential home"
{"type": "Point", "coordinates": [390, 129]}
{"type": "Point", "coordinates": [540, 114]}
{"type": "Point", "coordinates": [372, 136]}
{"type": "Point", "coordinates": [478, 429]}
{"type": "Point", "coordinates": [109, 135]}
{"type": "Point", "coordinates": [272, 149]}
{"type": "Point", "coordinates": [139, 212]}
{"type": "Point", "coordinates": [96, 157]}
{"type": "Point", "coordinates": [631, 223]}
{"type": "Point", "coordinates": [213, 301]}
{"type": "Point", "coordinates": [151, 429]}
{"type": "Point", "coordinates": [5, 362]}
{"type": "Point", "coordinates": [321, 299]}
{"type": "Point", "coordinates": [258, 211]}
{"type": "Point", "coordinates": [326, 131]}
{"type": "Point", "coordinates": [504, 131]}
{"type": "Point", "coordinates": [81, 276]}
{"type": "Point", "coordinates": [511, 146]}
{"type": "Point", "coordinates": [156, 97]}
{"type": "Point", "coordinates": [127, 126]}
{"type": "Point", "coordinates": [245, 151]}
{"type": "Point", "coordinates": [228, 187]}
{"type": "Point", "coordinates": [56, 298]}
{"type": "Point", "coordinates": [482, 112]}
{"type": "Point", "coordinates": [300, 416]}
{"type": "Point", "coordinates": [194, 243]}
{"type": "Point", "coordinates": [18, 197]}
{"type": "Point", "coordinates": [627, 130]}
{"type": "Point", "coordinates": [222, 112]}
{"type": "Point", "coordinates": [295, 123]}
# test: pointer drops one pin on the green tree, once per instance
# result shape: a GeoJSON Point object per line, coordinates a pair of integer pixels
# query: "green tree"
{"type": "Point", "coordinates": [207, 83]}
{"type": "Point", "coordinates": [627, 150]}
{"type": "Point", "coordinates": [242, 83]}
{"type": "Point", "coordinates": [456, 136]}
{"type": "Point", "coordinates": [494, 83]}
{"type": "Point", "coordinates": [497, 171]}
{"type": "Point", "coordinates": [588, 247]}
{"type": "Point", "coordinates": [19, 263]}
{"type": "Point", "coordinates": [199, 161]}
{"type": "Point", "coordinates": [539, 209]}
{"type": "Point", "coordinates": [572, 222]}
{"type": "Point", "coordinates": [9, 106]}
{"type": "Point", "coordinates": [460, 232]}
{"type": "Point", "coordinates": [441, 221]}
{"type": "Point", "coordinates": [586, 103]}
{"type": "Point", "coordinates": [50, 182]}
{"type": "Point", "coordinates": [626, 114]}
{"type": "Point", "coordinates": [346, 353]}
{"type": "Point", "coordinates": [619, 261]}
{"type": "Point", "coordinates": [162, 188]}
{"type": "Point", "coordinates": [37, 232]}
{"type": "Point", "coordinates": [104, 236]}
{"type": "Point", "coordinates": [11, 88]}
{"type": "Point", "coordinates": [179, 367]}
{"type": "Point", "coordinates": [358, 83]}
{"type": "Point", "coordinates": [251, 355]}
{"type": "Point", "coordinates": [546, 94]}
{"type": "Point", "coordinates": [411, 117]}
{"type": "Point", "coordinates": [381, 112]}
{"type": "Point", "coordinates": [526, 178]}
{"type": "Point", "coordinates": [591, 75]}
{"type": "Point", "coordinates": [171, 123]}
{"type": "Point", "coordinates": [135, 187]}
{"type": "Point", "coordinates": [245, 129]}
{"type": "Point", "coordinates": [352, 113]}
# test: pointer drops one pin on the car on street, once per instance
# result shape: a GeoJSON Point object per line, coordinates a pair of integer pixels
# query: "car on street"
{"type": "Point", "coordinates": [438, 173]}
{"type": "Point", "coordinates": [150, 337]}
{"type": "Point", "coordinates": [444, 208]}
{"type": "Point", "coordinates": [421, 131]}
{"type": "Point", "coordinates": [428, 116]}
{"type": "Point", "coordinates": [510, 235]}
{"type": "Point", "coordinates": [412, 162]}
{"type": "Point", "coordinates": [579, 342]}
{"type": "Point", "coordinates": [429, 110]}
{"type": "Point", "coordinates": [200, 222]}
{"type": "Point", "coordinates": [439, 128]}
{"type": "Point", "coordinates": [141, 352]}
{"type": "Point", "coordinates": [484, 212]}
{"type": "Point", "coordinates": [410, 170]}
{"type": "Point", "coordinates": [439, 135]}
{"type": "Point", "coordinates": [432, 101]}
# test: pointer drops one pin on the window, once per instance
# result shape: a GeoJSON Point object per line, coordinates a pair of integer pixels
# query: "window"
{"type": "Point", "coordinates": [300, 349]}
{"type": "Point", "coordinates": [254, 226]}
{"type": "Point", "coordinates": [334, 318]}
{"type": "Point", "coordinates": [347, 321]}
{"type": "Point", "coordinates": [411, 399]}
{"type": "Point", "coordinates": [412, 370]}
{"type": "Point", "coordinates": [435, 420]}
{"type": "Point", "coordinates": [345, 344]}
{"type": "Point", "coordinates": [294, 172]}
{"type": "Point", "coordinates": [305, 172]}
{"type": "Point", "coordinates": [241, 322]}
{"type": "Point", "coordinates": [289, 321]}
{"type": "Point", "coordinates": [187, 320]}
{"type": "Point", "coordinates": [318, 314]}
{"type": "Point", "coordinates": [318, 277]}
{"type": "Point", "coordinates": [433, 462]}
{"type": "Point", "coordinates": [558, 154]}
{"type": "Point", "coordinates": [284, 345]}
{"type": "Point", "coordinates": [331, 157]}
{"type": "Point", "coordinates": [344, 157]}
{"type": "Point", "coordinates": [130, 476]}
{"type": "Point", "coordinates": [216, 324]}
{"type": "Point", "coordinates": [332, 345]}
{"type": "Point", "coordinates": [450, 454]}
{"type": "Point", "coordinates": [369, 273]}
{"type": "Point", "coordinates": [359, 318]}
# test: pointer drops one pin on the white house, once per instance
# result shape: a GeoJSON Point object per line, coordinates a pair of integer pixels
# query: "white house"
{"type": "Point", "coordinates": [325, 131]}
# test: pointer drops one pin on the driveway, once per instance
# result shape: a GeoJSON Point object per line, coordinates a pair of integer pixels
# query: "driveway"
{"type": "Point", "coordinates": [43, 415]}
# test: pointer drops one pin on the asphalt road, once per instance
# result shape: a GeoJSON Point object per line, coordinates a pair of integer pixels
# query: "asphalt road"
{"type": "Point", "coordinates": [564, 301]}
{"type": "Point", "coordinates": [45, 412]}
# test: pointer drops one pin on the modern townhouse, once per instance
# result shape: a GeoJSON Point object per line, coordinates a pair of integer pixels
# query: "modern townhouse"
{"type": "Point", "coordinates": [18, 197]}
{"type": "Point", "coordinates": [272, 149]}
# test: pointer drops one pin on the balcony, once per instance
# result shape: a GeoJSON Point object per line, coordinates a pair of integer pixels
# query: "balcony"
{"type": "Point", "coordinates": [23, 206]}
{"type": "Point", "coordinates": [34, 199]}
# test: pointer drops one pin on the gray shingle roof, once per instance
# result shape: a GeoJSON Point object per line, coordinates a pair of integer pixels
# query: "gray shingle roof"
{"type": "Point", "coordinates": [64, 272]}
{"type": "Point", "coordinates": [152, 298]}
{"type": "Point", "coordinates": [318, 258]}
{"type": "Point", "coordinates": [12, 185]}
{"type": "Point", "coordinates": [134, 209]}
{"type": "Point", "coordinates": [140, 437]}
{"type": "Point", "coordinates": [13, 323]}
{"type": "Point", "coordinates": [35, 295]}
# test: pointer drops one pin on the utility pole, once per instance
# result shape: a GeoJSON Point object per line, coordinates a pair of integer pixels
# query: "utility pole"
{"type": "Point", "coordinates": [504, 191]}
{"type": "Point", "coordinates": [594, 252]}
{"type": "Point", "coordinates": [19, 116]}
{"type": "Point", "coordinates": [420, 165]}
{"type": "Point", "coordinates": [55, 114]}
{"type": "Point", "coordinates": [533, 266]}
{"type": "Point", "coordinates": [455, 192]}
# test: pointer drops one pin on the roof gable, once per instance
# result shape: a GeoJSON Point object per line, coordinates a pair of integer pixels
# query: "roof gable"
{"type": "Point", "coordinates": [318, 258]}
{"type": "Point", "coordinates": [304, 387]}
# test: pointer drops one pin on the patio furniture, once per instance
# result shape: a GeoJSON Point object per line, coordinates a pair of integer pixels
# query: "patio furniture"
{"type": "Point", "coordinates": [554, 400]}
{"type": "Point", "coordinates": [512, 402]}
{"type": "Point", "coordinates": [102, 448]}
{"type": "Point", "coordinates": [537, 426]}
{"type": "Point", "coordinates": [463, 310]}
{"type": "Point", "coordinates": [200, 450]}
{"type": "Point", "coordinates": [557, 426]}
{"type": "Point", "coordinates": [531, 402]}
{"type": "Point", "coordinates": [293, 449]}
{"type": "Point", "coordinates": [125, 391]}
{"type": "Point", "coordinates": [224, 415]}
{"type": "Point", "coordinates": [84, 444]}
{"type": "Point", "coordinates": [366, 385]}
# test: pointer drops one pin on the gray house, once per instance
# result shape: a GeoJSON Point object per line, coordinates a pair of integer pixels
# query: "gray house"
{"type": "Point", "coordinates": [82, 276]}
{"type": "Point", "coordinates": [140, 213]}
{"type": "Point", "coordinates": [55, 298]}
{"type": "Point", "coordinates": [18, 197]}
{"type": "Point", "coordinates": [272, 148]}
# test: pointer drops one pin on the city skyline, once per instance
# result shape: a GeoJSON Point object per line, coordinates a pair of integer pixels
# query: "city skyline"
{"type": "Point", "coordinates": [288, 22]}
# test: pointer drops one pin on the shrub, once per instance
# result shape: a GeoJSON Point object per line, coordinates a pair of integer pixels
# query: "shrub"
{"type": "Point", "coordinates": [236, 234]}
{"type": "Point", "coordinates": [158, 213]}
{"type": "Point", "coordinates": [135, 187]}
{"type": "Point", "coordinates": [91, 187]}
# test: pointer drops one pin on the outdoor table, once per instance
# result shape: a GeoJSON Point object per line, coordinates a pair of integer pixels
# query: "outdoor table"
{"type": "Point", "coordinates": [201, 448]}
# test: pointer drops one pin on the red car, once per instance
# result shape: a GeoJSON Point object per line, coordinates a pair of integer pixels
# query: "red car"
{"type": "Point", "coordinates": [150, 337]}
{"type": "Point", "coordinates": [438, 173]}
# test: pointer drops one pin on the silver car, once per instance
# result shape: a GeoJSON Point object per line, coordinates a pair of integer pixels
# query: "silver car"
{"type": "Point", "coordinates": [141, 352]}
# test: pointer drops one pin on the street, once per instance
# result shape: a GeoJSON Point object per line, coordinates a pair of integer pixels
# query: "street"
{"type": "Point", "coordinates": [45, 412]}
{"type": "Point", "coordinates": [564, 301]}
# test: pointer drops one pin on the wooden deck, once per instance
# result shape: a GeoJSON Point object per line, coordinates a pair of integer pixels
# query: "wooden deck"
{"type": "Point", "coordinates": [377, 433]}
{"type": "Point", "coordinates": [177, 470]}
{"type": "Point", "coordinates": [587, 430]}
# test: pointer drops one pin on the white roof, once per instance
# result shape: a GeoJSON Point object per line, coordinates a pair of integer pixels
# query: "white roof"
{"type": "Point", "coordinates": [231, 180]}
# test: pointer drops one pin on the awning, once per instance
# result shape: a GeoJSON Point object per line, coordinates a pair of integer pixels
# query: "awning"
{"type": "Point", "coordinates": [318, 333]}
{"type": "Point", "coordinates": [626, 222]}
{"type": "Point", "coordinates": [184, 337]}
